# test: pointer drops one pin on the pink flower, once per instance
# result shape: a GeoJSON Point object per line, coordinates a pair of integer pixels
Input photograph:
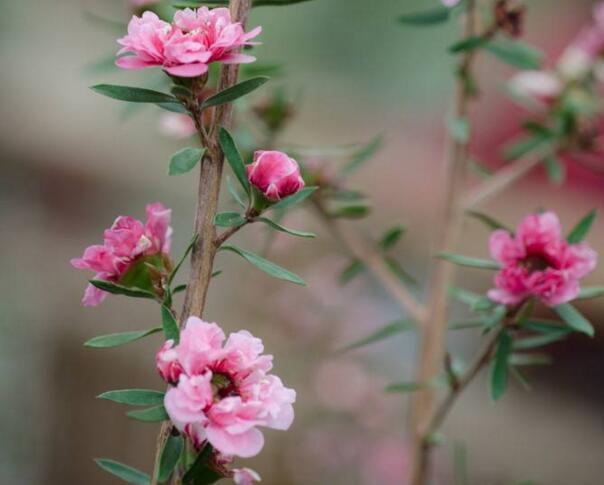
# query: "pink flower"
{"type": "Point", "coordinates": [224, 391]}
{"type": "Point", "coordinates": [275, 174]}
{"type": "Point", "coordinates": [245, 476]}
{"type": "Point", "coordinates": [184, 48]}
{"type": "Point", "coordinates": [176, 125]}
{"type": "Point", "coordinates": [125, 242]}
{"type": "Point", "coordinates": [167, 363]}
{"type": "Point", "coordinates": [538, 262]}
{"type": "Point", "coordinates": [541, 86]}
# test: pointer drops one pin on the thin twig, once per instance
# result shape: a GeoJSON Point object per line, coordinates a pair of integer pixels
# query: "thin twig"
{"type": "Point", "coordinates": [373, 262]}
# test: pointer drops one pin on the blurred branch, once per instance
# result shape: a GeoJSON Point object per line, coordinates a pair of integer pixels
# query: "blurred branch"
{"type": "Point", "coordinates": [373, 261]}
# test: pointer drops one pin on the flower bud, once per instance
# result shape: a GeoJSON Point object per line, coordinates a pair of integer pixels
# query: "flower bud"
{"type": "Point", "coordinates": [167, 363]}
{"type": "Point", "coordinates": [245, 476]}
{"type": "Point", "coordinates": [275, 174]}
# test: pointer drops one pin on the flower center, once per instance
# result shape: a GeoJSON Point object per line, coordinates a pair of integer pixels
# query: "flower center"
{"type": "Point", "coordinates": [223, 386]}
{"type": "Point", "coordinates": [535, 262]}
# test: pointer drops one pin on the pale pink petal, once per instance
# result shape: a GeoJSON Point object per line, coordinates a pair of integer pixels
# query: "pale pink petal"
{"type": "Point", "coordinates": [244, 445]}
{"type": "Point", "coordinates": [187, 70]}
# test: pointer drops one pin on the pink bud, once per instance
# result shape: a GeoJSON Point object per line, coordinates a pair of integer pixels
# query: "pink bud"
{"type": "Point", "coordinates": [275, 174]}
{"type": "Point", "coordinates": [245, 476]}
{"type": "Point", "coordinates": [168, 366]}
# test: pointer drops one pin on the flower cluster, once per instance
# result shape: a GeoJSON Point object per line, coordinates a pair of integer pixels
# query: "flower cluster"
{"type": "Point", "coordinates": [186, 47]}
{"type": "Point", "coordinates": [275, 174]}
{"type": "Point", "coordinates": [223, 390]}
{"type": "Point", "coordinates": [538, 262]}
{"type": "Point", "coordinates": [125, 243]}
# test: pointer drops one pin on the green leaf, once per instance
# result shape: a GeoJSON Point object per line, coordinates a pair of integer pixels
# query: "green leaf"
{"type": "Point", "coordinates": [582, 228]}
{"type": "Point", "coordinates": [539, 340]}
{"type": "Point", "coordinates": [125, 472]}
{"type": "Point", "coordinates": [182, 260]}
{"type": "Point", "coordinates": [174, 107]}
{"type": "Point", "coordinates": [574, 319]}
{"type": "Point", "coordinates": [132, 94]}
{"type": "Point", "coordinates": [530, 359]}
{"type": "Point", "coordinates": [235, 92]}
{"type": "Point", "coordinates": [116, 289]}
{"type": "Point", "coordinates": [488, 221]}
{"type": "Point", "coordinates": [468, 44]}
{"type": "Point", "coordinates": [590, 292]}
{"type": "Point", "coordinates": [515, 53]}
{"type": "Point", "coordinates": [555, 169]}
{"type": "Point", "coordinates": [134, 397]}
{"type": "Point", "coordinates": [185, 160]}
{"type": "Point", "coordinates": [200, 473]}
{"type": "Point", "coordinates": [403, 387]}
{"type": "Point", "coordinates": [169, 456]}
{"type": "Point", "coordinates": [268, 267]}
{"type": "Point", "coordinates": [499, 370]}
{"type": "Point", "coordinates": [169, 324]}
{"type": "Point", "coordinates": [383, 333]}
{"type": "Point", "coordinates": [280, 228]}
{"type": "Point", "coordinates": [492, 319]}
{"type": "Point", "coordinates": [460, 460]}
{"type": "Point", "coordinates": [354, 269]}
{"type": "Point", "coordinates": [465, 296]}
{"type": "Point", "coordinates": [525, 146]}
{"type": "Point", "coordinates": [395, 267]}
{"type": "Point", "coordinates": [425, 18]}
{"type": "Point", "coordinates": [234, 193]}
{"type": "Point", "coordinates": [546, 326]}
{"type": "Point", "coordinates": [465, 324]}
{"type": "Point", "coordinates": [179, 288]}
{"type": "Point", "coordinates": [229, 219]}
{"type": "Point", "coordinates": [234, 158]}
{"type": "Point", "coordinates": [296, 198]}
{"type": "Point", "coordinates": [351, 212]}
{"type": "Point", "coordinates": [117, 339]}
{"type": "Point", "coordinates": [459, 129]}
{"type": "Point", "coordinates": [149, 415]}
{"type": "Point", "coordinates": [361, 156]}
{"type": "Point", "coordinates": [391, 237]}
{"type": "Point", "coordinates": [461, 260]}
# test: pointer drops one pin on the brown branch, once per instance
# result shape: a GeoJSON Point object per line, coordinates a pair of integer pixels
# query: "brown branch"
{"type": "Point", "coordinates": [373, 261]}
{"type": "Point", "coordinates": [432, 351]}
{"type": "Point", "coordinates": [210, 176]}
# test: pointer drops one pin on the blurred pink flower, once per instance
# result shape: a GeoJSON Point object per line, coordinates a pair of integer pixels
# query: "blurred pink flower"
{"type": "Point", "coordinates": [540, 86]}
{"type": "Point", "coordinates": [224, 391]}
{"type": "Point", "coordinates": [386, 463]}
{"type": "Point", "coordinates": [176, 125]}
{"type": "Point", "coordinates": [275, 174]}
{"type": "Point", "coordinates": [245, 476]}
{"type": "Point", "coordinates": [184, 48]}
{"type": "Point", "coordinates": [124, 242]}
{"type": "Point", "coordinates": [538, 262]}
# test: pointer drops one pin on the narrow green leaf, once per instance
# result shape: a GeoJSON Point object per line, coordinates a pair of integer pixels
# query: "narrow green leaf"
{"type": "Point", "coordinates": [460, 460]}
{"type": "Point", "coordinates": [590, 292]}
{"type": "Point", "coordinates": [179, 288]}
{"type": "Point", "coordinates": [488, 221]}
{"type": "Point", "coordinates": [280, 228]}
{"type": "Point", "coordinates": [525, 146]}
{"type": "Point", "coordinates": [125, 472]}
{"type": "Point", "coordinates": [539, 340]}
{"type": "Point", "coordinates": [182, 260]}
{"type": "Point", "coordinates": [461, 260]}
{"type": "Point", "coordinates": [515, 53]}
{"type": "Point", "coordinates": [361, 156]}
{"type": "Point", "coordinates": [546, 326]}
{"type": "Point", "coordinates": [235, 92]}
{"type": "Point", "coordinates": [516, 374]}
{"type": "Point", "coordinates": [354, 269]}
{"type": "Point", "coordinates": [580, 231]}
{"type": "Point", "coordinates": [229, 219]}
{"type": "Point", "coordinates": [492, 319]}
{"type": "Point", "coordinates": [200, 473]}
{"type": "Point", "coordinates": [234, 193]}
{"type": "Point", "coordinates": [169, 324]}
{"type": "Point", "coordinates": [465, 324]}
{"type": "Point", "coordinates": [574, 319]}
{"type": "Point", "coordinates": [555, 170]}
{"type": "Point", "coordinates": [117, 339]}
{"type": "Point", "coordinates": [391, 237]}
{"type": "Point", "coordinates": [383, 333]}
{"type": "Point", "coordinates": [296, 198]}
{"type": "Point", "coordinates": [116, 289]}
{"type": "Point", "coordinates": [169, 457]}
{"type": "Point", "coordinates": [132, 94]}
{"type": "Point", "coordinates": [499, 372]}
{"type": "Point", "coordinates": [400, 272]}
{"type": "Point", "coordinates": [268, 267]}
{"type": "Point", "coordinates": [465, 296]}
{"type": "Point", "coordinates": [468, 44]}
{"type": "Point", "coordinates": [134, 397]}
{"type": "Point", "coordinates": [149, 415]}
{"type": "Point", "coordinates": [174, 107]}
{"type": "Point", "coordinates": [351, 212]}
{"type": "Point", "coordinates": [530, 359]}
{"type": "Point", "coordinates": [234, 158]}
{"type": "Point", "coordinates": [185, 160]}
{"type": "Point", "coordinates": [435, 16]}
{"type": "Point", "coordinates": [403, 387]}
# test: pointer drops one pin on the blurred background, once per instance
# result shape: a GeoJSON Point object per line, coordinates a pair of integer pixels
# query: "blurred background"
{"type": "Point", "coordinates": [72, 160]}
